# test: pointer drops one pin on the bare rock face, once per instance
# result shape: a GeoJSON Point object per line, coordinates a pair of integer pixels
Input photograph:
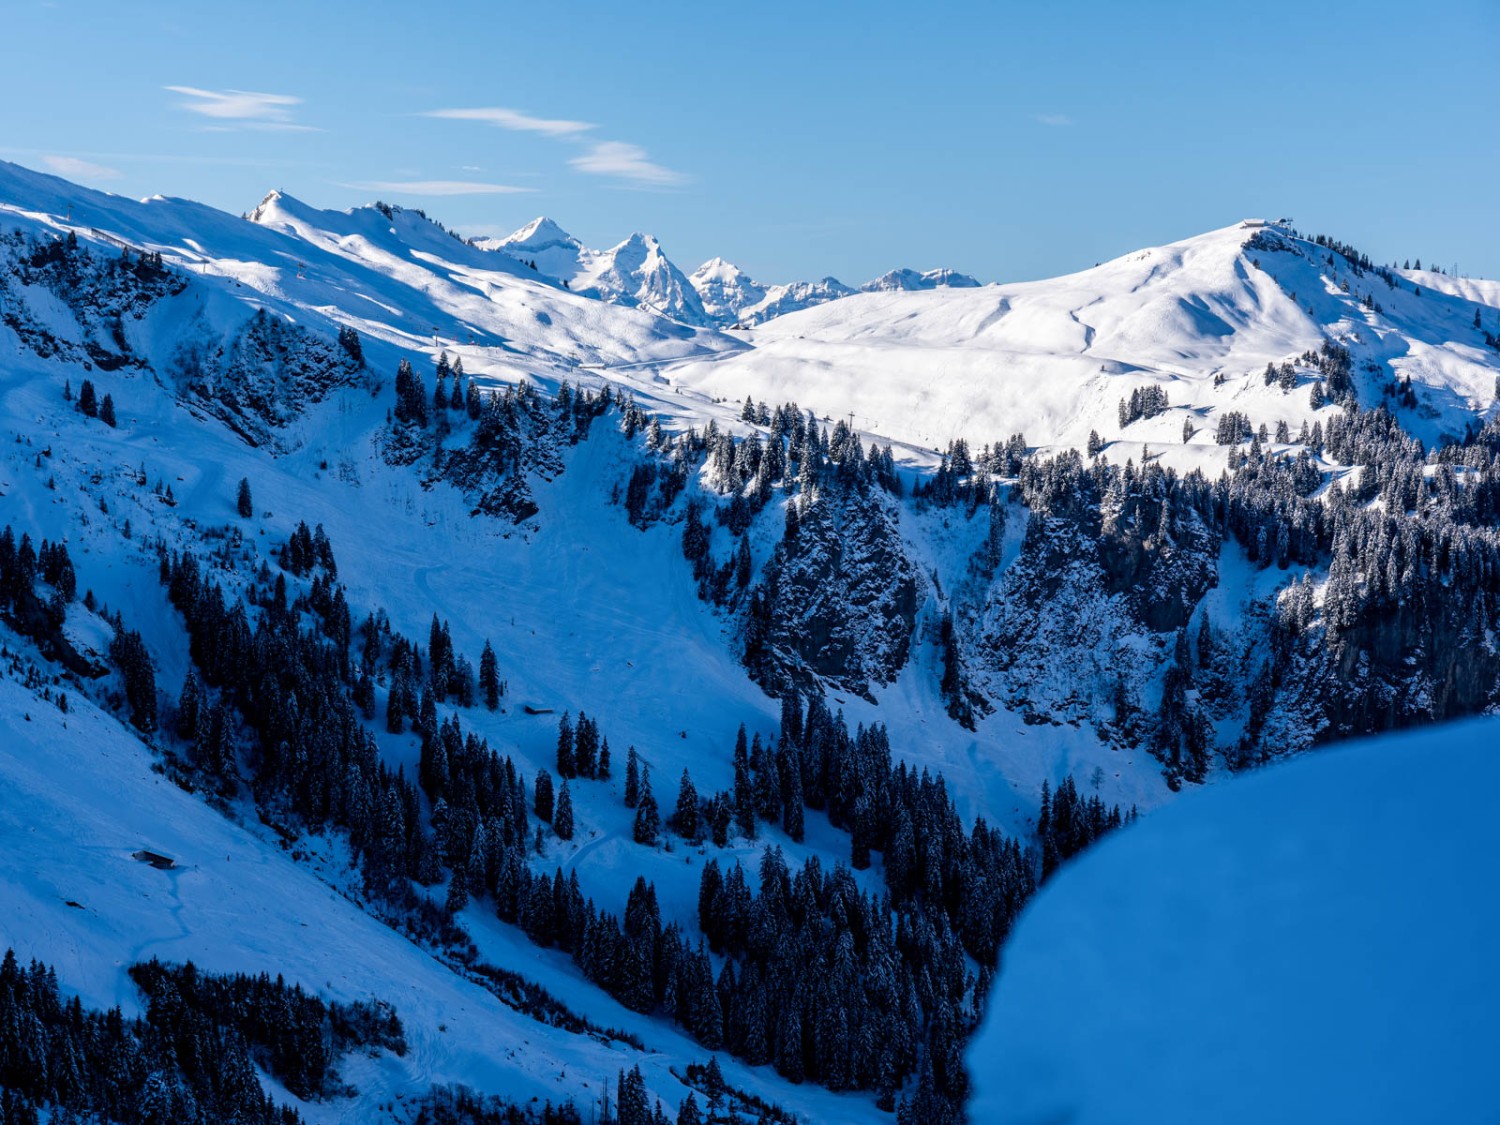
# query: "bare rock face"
{"type": "Point", "coordinates": [263, 376]}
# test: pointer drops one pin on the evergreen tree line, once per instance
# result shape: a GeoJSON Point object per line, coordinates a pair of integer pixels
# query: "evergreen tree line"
{"type": "Point", "coordinates": [192, 1058]}
{"type": "Point", "coordinates": [962, 479]}
{"type": "Point", "coordinates": [22, 565]}
{"type": "Point", "coordinates": [1067, 823]}
{"type": "Point", "coordinates": [295, 1035]}
{"type": "Point", "coordinates": [292, 688]}
{"type": "Point", "coordinates": [1144, 402]}
{"type": "Point", "coordinates": [505, 433]}
{"type": "Point", "coordinates": [797, 454]}
{"type": "Point", "coordinates": [1415, 576]}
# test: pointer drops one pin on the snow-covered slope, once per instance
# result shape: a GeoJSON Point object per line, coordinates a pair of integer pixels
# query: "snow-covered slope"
{"type": "Point", "coordinates": [1053, 359]}
{"type": "Point", "coordinates": [1311, 943]}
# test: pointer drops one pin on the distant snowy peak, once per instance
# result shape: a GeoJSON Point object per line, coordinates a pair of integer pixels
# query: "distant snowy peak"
{"type": "Point", "coordinates": [638, 272]}
{"type": "Point", "coordinates": [546, 247]}
{"type": "Point", "coordinates": [911, 281]}
{"type": "Point", "coordinates": [731, 297]}
{"type": "Point", "coordinates": [635, 273]}
{"type": "Point", "coordinates": [538, 235]}
{"type": "Point", "coordinates": [265, 207]}
{"type": "Point", "coordinates": [718, 293]}
{"type": "Point", "coordinates": [726, 290]}
{"type": "Point", "coordinates": [782, 299]}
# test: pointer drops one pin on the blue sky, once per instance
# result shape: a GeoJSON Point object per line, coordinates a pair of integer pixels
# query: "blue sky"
{"type": "Point", "coordinates": [797, 140]}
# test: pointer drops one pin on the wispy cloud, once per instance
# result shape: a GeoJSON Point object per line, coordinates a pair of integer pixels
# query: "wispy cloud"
{"type": "Point", "coordinates": [615, 159]}
{"type": "Point", "coordinates": [243, 109]}
{"type": "Point", "coordinates": [439, 187]}
{"type": "Point", "coordinates": [1056, 120]}
{"type": "Point", "coordinates": [625, 162]}
{"type": "Point", "coordinates": [77, 169]}
{"type": "Point", "coordinates": [516, 120]}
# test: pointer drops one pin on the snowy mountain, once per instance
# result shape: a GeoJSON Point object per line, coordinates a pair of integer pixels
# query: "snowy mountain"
{"type": "Point", "coordinates": [342, 547]}
{"type": "Point", "coordinates": [1218, 962]}
{"type": "Point", "coordinates": [793, 297]}
{"type": "Point", "coordinates": [731, 297]}
{"type": "Point", "coordinates": [726, 290]}
{"type": "Point", "coordinates": [1198, 320]}
{"type": "Point", "coordinates": [636, 273]}
{"type": "Point", "coordinates": [910, 281]}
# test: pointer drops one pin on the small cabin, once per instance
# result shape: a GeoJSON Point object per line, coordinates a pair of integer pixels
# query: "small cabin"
{"type": "Point", "coordinates": [155, 859]}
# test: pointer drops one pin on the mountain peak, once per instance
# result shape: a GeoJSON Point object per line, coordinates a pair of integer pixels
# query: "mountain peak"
{"type": "Point", "coordinates": [911, 281]}
{"type": "Point", "coordinates": [269, 202]}
{"type": "Point", "coordinates": [538, 234]}
{"type": "Point", "coordinates": [717, 269]}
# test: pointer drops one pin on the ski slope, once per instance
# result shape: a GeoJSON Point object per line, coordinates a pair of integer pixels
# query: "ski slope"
{"type": "Point", "coordinates": [1314, 942]}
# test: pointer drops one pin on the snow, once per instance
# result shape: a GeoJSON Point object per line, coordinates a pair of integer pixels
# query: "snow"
{"type": "Point", "coordinates": [405, 284]}
{"type": "Point", "coordinates": [909, 280]}
{"type": "Point", "coordinates": [1052, 359]}
{"type": "Point", "coordinates": [1312, 942]}
{"type": "Point", "coordinates": [726, 290]}
{"type": "Point", "coordinates": [636, 272]}
{"type": "Point", "coordinates": [82, 797]}
{"type": "Point", "coordinates": [584, 610]}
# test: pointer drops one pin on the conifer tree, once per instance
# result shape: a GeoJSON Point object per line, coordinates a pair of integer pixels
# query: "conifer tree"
{"type": "Point", "coordinates": [647, 817]}
{"type": "Point", "coordinates": [395, 704]}
{"type": "Point", "coordinates": [107, 411]}
{"type": "Point", "coordinates": [566, 766]}
{"type": "Point", "coordinates": [685, 818]}
{"type": "Point", "coordinates": [489, 677]}
{"type": "Point", "coordinates": [586, 746]}
{"type": "Point", "coordinates": [744, 788]}
{"type": "Point", "coordinates": [632, 779]}
{"type": "Point", "coordinates": [562, 818]}
{"type": "Point", "coordinates": [542, 795]}
{"type": "Point", "coordinates": [243, 503]}
{"type": "Point", "coordinates": [458, 890]}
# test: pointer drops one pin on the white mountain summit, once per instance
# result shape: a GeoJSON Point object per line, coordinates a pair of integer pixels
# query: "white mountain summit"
{"type": "Point", "coordinates": [638, 273]}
